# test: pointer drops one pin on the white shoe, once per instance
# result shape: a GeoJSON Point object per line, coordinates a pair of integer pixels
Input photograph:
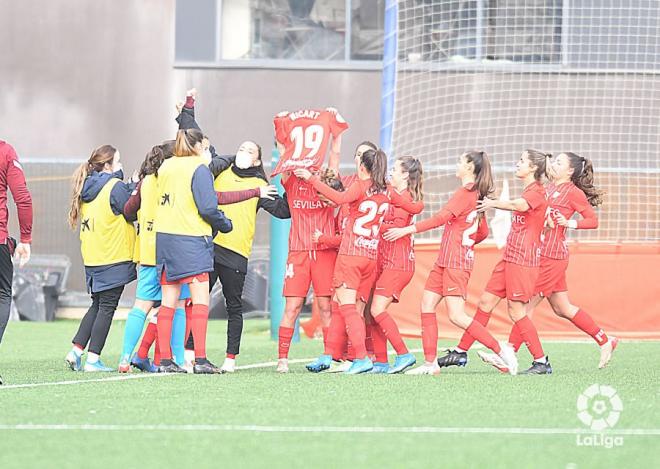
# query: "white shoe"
{"type": "Point", "coordinates": [283, 365]}
{"type": "Point", "coordinates": [229, 366]}
{"type": "Point", "coordinates": [494, 360]}
{"type": "Point", "coordinates": [338, 367]}
{"type": "Point", "coordinates": [509, 358]}
{"type": "Point", "coordinates": [606, 351]}
{"type": "Point", "coordinates": [425, 369]}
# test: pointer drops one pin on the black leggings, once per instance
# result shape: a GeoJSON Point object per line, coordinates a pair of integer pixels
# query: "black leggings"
{"type": "Point", "coordinates": [6, 275]}
{"type": "Point", "coordinates": [232, 281]}
{"type": "Point", "coordinates": [98, 319]}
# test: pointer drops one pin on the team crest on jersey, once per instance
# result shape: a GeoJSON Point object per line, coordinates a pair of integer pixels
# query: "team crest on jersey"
{"type": "Point", "coordinates": [165, 199]}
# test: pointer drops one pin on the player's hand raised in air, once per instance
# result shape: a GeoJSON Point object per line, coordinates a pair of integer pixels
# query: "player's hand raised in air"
{"type": "Point", "coordinates": [303, 173]}
{"type": "Point", "coordinates": [267, 192]}
{"type": "Point", "coordinates": [396, 233]}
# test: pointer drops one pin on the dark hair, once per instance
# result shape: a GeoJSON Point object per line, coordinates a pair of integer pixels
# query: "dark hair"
{"type": "Point", "coordinates": [413, 167]}
{"type": "Point", "coordinates": [369, 144]}
{"type": "Point", "coordinates": [375, 162]}
{"type": "Point", "coordinates": [482, 171]}
{"type": "Point", "coordinates": [168, 148]}
{"type": "Point", "coordinates": [583, 178]}
{"type": "Point", "coordinates": [105, 154]}
{"type": "Point", "coordinates": [540, 160]}
{"type": "Point", "coordinates": [186, 141]}
{"type": "Point", "coordinates": [330, 178]}
{"type": "Point", "coordinates": [152, 162]}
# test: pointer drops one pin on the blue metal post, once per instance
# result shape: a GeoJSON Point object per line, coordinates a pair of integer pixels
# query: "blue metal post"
{"type": "Point", "coordinates": [279, 251]}
{"type": "Point", "coordinates": [388, 86]}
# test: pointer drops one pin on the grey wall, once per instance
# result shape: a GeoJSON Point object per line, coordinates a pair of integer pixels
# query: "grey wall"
{"type": "Point", "coordinates": [75, 74]}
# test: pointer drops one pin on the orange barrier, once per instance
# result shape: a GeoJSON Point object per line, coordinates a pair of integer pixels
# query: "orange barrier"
{"type": "Point", "coordinates": [618, 285]}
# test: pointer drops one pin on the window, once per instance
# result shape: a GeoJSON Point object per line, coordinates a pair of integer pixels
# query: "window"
{"type": "Point", "coordinates": [250, 32]}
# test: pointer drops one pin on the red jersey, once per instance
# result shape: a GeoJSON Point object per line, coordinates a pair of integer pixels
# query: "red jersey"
{"type": "Point", "coordinates": [12, 178]}
{"type": "Point", "coordinates": [566, 199]}
{"type": "Point", "coordinates": [523, 246]}
{"type": "Point", "coordinates": [308, 214]}
{"type": "Point", "coordinates": [399, 254]}
{"type": "Point", "coordinates": [366, 213]}
{"type": "Point", "coordinates": [305, 135]}
{"type": "Point", "coordinates": [334, 241]}
{"type": "Point", "coordinates": [459, 215]}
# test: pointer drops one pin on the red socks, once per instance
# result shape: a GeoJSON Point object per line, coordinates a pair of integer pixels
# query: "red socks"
{"type": "Point", "coordinates": [164, 326]}
{"type": "Point", "coordinates": [355, 329]}
{"type": "Point", "coordinates": [480, 333]}
{"type": "Point", "coordinates": [157, 352]}
{"type": "Point", "coordinates": [380, 343]}
{"type": "Point", "coordinates": [336, 341]}
{"type": "Point", "coordinates": [531, 337]}
{"type": "Point", "coordinates": [584, 322]}
{"type": "Point", "coordinates": [284, 341]}
{"type": "Point", "coordinates": [148, 339]}
{"type": "Point", "coordinates": [515, 339]}
{"type": "Point", "coordinates": [482, 317]}
{"type": "Point", "coordinates": [200, 320]}
{"type": "Point", "coordinates": [391, 330]}
{"type": "Point", "coordinates": [368, 339]}
{"type": "Point", "coordinates": [429, 336]}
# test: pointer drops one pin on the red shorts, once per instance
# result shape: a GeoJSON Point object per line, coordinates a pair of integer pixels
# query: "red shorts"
{"type": "Point", "coordinates": [448, 282]}
{"type": "Point", "coordinates": [356, 273]}
{"type": "Point", "coordinates": [391, 283]}
{"type": "Point", "coordinates": [305, 268]}
{"type": "Point", "coordinates": [203, 277]}
{"type": "Point", "coordinates": [512, 281]}
{"type": "Point", "coordinates": [552, 276]}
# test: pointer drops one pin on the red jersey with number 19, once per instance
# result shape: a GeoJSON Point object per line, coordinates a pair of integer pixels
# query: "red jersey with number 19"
{"type": "Point", "coordinates": [308, 214]}
{"type": "Point", "coordinates": [305, 135]}
{"type": "Point", "coordinates": [523, 246]}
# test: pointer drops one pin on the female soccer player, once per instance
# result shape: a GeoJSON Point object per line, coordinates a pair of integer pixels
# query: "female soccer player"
{"type": "Point", "coordinates": [186, 216]}
{"type": "Point", "coordinates": [514, 277]}
{"type": "Point", "coordinates": [106, 241]}
{"type": "Point", "coordinates": [396, 263]}
{"type": "Point", "coordinates": [451, 272]}
{"type": "Point", "coordinates": [236, 173]}
{"type": "Point", "coordinates": [571, 191]}
{"type": "Point", "coordinates": [356, 261]}
{"type": "Point", "coordinates": [310, 259]}
{"type": "Point", "coordinates": [142, 204]}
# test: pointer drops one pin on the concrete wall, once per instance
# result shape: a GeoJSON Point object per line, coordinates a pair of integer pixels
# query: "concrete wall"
{"type": "Point", "coordinates": [75, 74]}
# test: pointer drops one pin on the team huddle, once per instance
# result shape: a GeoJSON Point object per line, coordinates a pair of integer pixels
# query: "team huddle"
{"type": "Point", "coordinates": [188, 217]}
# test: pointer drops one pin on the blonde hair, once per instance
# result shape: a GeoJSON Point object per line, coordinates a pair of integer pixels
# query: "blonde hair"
{"type": "Point", "coordinates": [186, 141]}
{"type": "Point", "coordinates": [96, 162]}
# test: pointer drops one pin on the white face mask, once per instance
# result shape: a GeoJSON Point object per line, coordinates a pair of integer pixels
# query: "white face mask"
{"type": "Point", "coordinates": [243, 160]}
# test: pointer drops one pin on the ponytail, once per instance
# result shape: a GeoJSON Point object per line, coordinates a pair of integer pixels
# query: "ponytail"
{"type": "Point", "coordinates": [413, 167]}
{"type": "Point", "coordinates": [483, 174]}
{"type": "Point", "coordinates": [152, 162]}
{"type": "Point", "coordinates": [541, 161]}
{"type": "Point", "coordinates": [583, 178]}
{"type": "Point", "coordinates": [186, 140]}
{"type": "Point", "coordinates": [96, 162]}
{"type": "Point", "coordinates": [375, 162]}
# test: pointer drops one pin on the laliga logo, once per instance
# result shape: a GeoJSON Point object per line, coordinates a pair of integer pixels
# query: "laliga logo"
{"type": "Point", "coordinates": [599, 407]}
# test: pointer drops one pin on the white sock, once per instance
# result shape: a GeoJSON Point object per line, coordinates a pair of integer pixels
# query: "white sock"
{"type": "Point", "coordinates": [230, 362]}
{"type": "Point", "coordinates": [92, 357]}
{"type": "Point", "coordinates": [77, 351]}
{"type": "Point", "coordinates": [543, 359]}
{"type": "Point", "coordinates": [459, 350]}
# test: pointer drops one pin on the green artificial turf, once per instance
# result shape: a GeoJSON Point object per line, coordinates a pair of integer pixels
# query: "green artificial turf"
{"type": "Point", "coordinates": [258, 418]}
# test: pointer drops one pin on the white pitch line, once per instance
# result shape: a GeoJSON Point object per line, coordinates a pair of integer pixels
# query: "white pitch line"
{"type": "Point", "coordinates": [331, 429]}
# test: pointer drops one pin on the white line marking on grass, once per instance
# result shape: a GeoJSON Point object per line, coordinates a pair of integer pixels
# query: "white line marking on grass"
{"type": "Point", "coordinates": [81, 381]}
{"type": "Point", "coordinates": [329, 429]}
